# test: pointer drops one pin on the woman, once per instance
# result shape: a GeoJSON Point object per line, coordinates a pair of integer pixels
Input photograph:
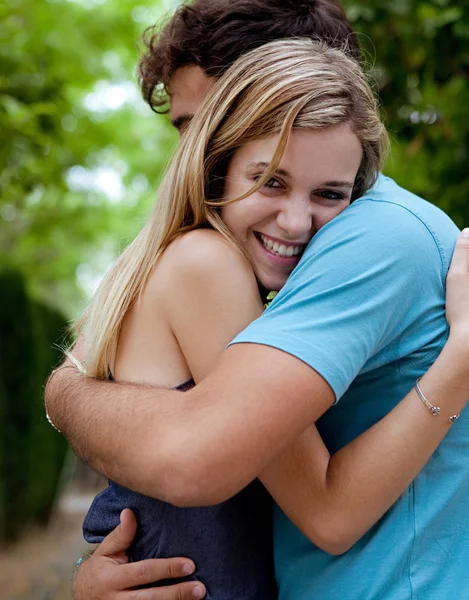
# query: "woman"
{"type": "Point", "coordinates": [289, 137]}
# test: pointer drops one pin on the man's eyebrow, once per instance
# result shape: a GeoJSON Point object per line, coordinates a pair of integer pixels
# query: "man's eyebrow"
{"type": "Point", "coordinates": [181, 121]}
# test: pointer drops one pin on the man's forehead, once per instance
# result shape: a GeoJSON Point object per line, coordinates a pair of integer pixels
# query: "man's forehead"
{"type": "Point", "coordinates": [187, 89]}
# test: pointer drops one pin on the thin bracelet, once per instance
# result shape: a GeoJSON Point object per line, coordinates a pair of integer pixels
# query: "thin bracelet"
{"type": "Point", "coordinates": [435, 410]}
{"type": "Point", "coordinates": [80, 561]}
{"type": "Point", "coordinates": [48, 381]}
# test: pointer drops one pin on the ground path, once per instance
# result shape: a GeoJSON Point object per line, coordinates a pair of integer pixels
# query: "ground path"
{"type": "Point", "coordinates": [41, 565]}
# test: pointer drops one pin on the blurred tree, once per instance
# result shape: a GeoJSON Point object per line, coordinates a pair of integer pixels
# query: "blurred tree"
{"type": "Point", "coordinates": [18, 387]}
{"type": "Point", "coordinates": [47, 448]}
{"type": "Point", "coordinates": [81, 152]}
{"type": "Point", "coordinates": [31, 452]}
{"type": "Point", "coordinates": [420, 57]}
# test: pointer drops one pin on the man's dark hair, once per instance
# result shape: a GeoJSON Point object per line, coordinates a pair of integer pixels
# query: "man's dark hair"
{"type": "Point", "coordinates": [212, 34]}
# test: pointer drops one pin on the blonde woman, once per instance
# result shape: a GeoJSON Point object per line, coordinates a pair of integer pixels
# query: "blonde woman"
{"type": "Point", "coordinates": [288, 139]}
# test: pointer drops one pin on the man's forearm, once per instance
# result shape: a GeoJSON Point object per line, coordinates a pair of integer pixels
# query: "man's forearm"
{"type": "Point", "coordinates": [191, 448]}
{"type": "Point", "coordinates": [107, 425]}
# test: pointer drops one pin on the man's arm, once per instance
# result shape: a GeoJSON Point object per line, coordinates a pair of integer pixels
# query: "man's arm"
{"type": "Point", "coordinates": [198, 447]}
{"type": "Point", "coordinates": [107, 574]}
{"type": "Point", "coordinates": [353, 294]}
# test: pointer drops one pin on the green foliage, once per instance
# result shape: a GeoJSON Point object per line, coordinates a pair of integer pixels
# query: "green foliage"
{"type": "Point", "coordinates": [31, 452]}
{"type": "Point", "coordinates": [420, 56]}
{"type": "Point", "coordinates": [80, 151]}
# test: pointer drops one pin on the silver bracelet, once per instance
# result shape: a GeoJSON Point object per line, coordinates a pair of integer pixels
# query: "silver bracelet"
{"type": "Point", "coordinates": [50, 422]}
{"type": "Point", "coordinates": [435, 410]}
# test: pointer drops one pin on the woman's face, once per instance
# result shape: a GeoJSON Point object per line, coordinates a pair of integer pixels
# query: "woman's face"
{"type": "Point", "coordinates": [312, 185]}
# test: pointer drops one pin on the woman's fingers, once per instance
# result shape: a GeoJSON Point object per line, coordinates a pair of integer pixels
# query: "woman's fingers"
{"type": "Point", "coordinates": [460, 262]}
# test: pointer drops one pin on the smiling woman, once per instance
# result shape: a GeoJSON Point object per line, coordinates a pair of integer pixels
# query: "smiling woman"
{"type": "Point", "coordinates": [284, 142]}
{"type": "Point", "coordinates": [295, 106]}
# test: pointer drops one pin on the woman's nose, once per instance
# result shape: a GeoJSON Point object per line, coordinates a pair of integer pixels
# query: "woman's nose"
{"type": "Point", "coordinates": [295, 219]}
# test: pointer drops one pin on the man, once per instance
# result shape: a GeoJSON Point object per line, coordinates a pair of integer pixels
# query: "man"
{"type": "Point", "coordinates": [205, 37]}
{"type": "Point", "coordinates": [360, 320]}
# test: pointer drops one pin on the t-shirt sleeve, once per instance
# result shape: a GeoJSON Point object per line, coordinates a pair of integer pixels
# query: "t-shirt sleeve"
{"type": "Point", "coordinates": [363, 280]}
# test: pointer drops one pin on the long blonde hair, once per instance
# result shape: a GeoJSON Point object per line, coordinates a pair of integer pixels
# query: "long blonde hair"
{"type": "Point", "coordinates": [284, 85]}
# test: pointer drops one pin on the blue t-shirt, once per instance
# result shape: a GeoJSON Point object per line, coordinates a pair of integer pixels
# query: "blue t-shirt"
{"type": "Point", "coordinates": [365, 308]}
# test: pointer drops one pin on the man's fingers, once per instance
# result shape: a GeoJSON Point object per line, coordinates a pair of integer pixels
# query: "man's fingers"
{"type": "Point", "coordinates": [191, 590]}
{"type": "Point", "coordinates": [460, 261]}
{"type": "Point", "coordinates": [121, 538]}
{"type": "Point", "coordinates": [151, 570]}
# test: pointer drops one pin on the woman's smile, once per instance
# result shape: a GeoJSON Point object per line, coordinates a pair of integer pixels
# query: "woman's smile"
{"type": "Point", "coordinates": [280, 248]}
{"type": "Point", "coordinates": [277, 257]}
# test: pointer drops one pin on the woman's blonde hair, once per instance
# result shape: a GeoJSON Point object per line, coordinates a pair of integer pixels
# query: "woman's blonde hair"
{"type": "Point", "coordinates": [284, 85]}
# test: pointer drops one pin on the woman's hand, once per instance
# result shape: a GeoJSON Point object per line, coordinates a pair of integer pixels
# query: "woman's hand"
{"type": "Point", "coordinates": [457, 291]}
{"type": "Point", "coordinates": [108, 575]}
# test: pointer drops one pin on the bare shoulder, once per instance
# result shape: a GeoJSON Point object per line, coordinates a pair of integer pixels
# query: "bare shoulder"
{"type": "Point", "coordinates": [205, 256]}
{"type": "Point", "coordinates": [208, 293]}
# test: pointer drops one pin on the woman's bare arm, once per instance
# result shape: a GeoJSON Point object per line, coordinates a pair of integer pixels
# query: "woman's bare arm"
{"type": "Point", "coordinates": [334, 500]}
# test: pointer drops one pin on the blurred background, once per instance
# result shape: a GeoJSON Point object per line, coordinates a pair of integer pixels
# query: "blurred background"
{"type": "Point", "coordinates": [80, 159]}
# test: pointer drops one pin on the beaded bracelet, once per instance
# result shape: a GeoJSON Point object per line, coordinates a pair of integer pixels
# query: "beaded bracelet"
{"type": "Point", "coordinates": [80, 561]}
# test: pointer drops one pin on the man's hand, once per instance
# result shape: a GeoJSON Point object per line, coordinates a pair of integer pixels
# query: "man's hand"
{"type": "Point", "coordinates": [108, 575]}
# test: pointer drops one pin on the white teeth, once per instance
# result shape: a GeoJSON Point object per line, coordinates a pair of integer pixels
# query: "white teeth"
{"type": "Point", "coordinates": [280, 249]}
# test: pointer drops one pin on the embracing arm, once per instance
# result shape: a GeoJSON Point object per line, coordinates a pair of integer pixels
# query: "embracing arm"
{"type": "Point", "coordinates": [201, 448]}
{"type": "Point", "coordinates": [191, 448]}
{"type": "Point", "coordinates": [334, 500]}
{"type": "Point", "coordinates": [180, 446]}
